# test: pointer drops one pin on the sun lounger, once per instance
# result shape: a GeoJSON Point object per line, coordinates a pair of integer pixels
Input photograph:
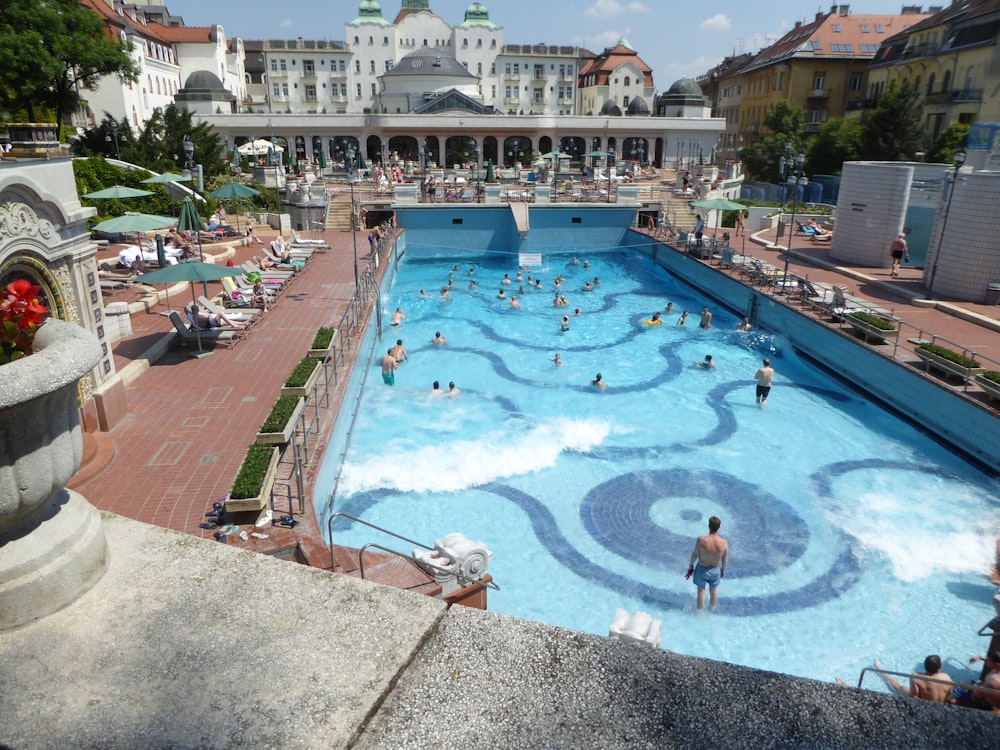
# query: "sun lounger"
{"type": "Point", "coordinates": [306, 242]}
{"type": "Point", "coordinates": [185, 335]}
{"type": "Point", "coordinates": [248, 315]}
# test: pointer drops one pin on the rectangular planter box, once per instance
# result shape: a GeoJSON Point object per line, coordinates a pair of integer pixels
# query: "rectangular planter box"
{"type": "Point", "coordinates": [870, 332]}
{"type": "Point", "coordinates": [991, 387]}
{"type": "Point", "coordinates": [307, 389]}
{"type": "Point", "coordinates": [264, 498]}
{"type": "Point", "coordinates": [325, 354]}
{"type": "Point", "coordinates": [947, 367]}
{"type": "Point", "coordinates": [280, 438]}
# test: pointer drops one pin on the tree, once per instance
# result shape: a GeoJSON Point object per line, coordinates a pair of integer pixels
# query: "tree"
{"type": "Point", "coordinates": [762, 157]}
{"type": "Point", "coordinates": [838, 141]}
{"type": "Point", "coordinates": [893, 132]}
{"type": "Point", "coordinates": [949, 142]}
{"type": "Point", "coordinates": [48, 48]}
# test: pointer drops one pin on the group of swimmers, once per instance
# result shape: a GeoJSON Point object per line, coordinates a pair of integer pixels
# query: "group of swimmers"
{"type": "Point", "coordinates": [396, 354]}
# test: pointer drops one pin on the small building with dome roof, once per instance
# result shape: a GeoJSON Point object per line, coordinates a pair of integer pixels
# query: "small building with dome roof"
{"type": "Point", "coordinates": [683, 99]}
{"type": "Point", "coordinates": [204, 93]}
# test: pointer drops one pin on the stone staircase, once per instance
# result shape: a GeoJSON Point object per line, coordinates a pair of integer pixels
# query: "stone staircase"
{"type": "Point", "coordinates": [338, 215]}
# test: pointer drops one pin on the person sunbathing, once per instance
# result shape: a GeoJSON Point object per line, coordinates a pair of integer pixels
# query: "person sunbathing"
{"type": "Point", "coordinates": [204, 320]}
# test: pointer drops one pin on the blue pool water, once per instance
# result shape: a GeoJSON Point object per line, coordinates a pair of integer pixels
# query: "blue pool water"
{"type": "Point", "coordinates": [853, 535]}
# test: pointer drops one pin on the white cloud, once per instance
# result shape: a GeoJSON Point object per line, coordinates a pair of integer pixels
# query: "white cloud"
{"type": "Point", "coordinates": [718, 22]}
{"type": "Point", "coordinates": [604, 9]}
{"type": "Point", "coordinates": [286, 23]}
{"type": "Point", "coordinates": [686, 69]}
{"type": "Point", "coordinates": [607, 38]}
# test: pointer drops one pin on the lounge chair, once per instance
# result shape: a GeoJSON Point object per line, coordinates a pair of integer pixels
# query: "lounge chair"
{"type": "Point", "coordinates": [248, 315]}
{"type": "Point", "coordinates": [304, 241]}
{"type": "Point", "coordinates": [232, 287]}
{"type": "Point", "coordinates": [185, 335]}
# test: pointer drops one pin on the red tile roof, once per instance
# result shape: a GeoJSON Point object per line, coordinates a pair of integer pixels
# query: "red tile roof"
{"type": "Point", "coordinates": [610, 59]}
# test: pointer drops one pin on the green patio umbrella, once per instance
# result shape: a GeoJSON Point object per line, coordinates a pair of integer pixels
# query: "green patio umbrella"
{"type": "Point", "coordinates": [491, 173]}
{"type": "Point", "coordinates": [359, 161]}
{"type": "Point", "coordinates": [190, 271]}
{"type": "Point", "coordinates": [556, 155]}
{"type": "Point", "coordinates": [720, 205]}
{"type": "Point", "coordinates": [234, 190]}
{"type": "Point", "coordinates": [166, 177]}
{"type": "Point", "coordinates": [117, 191]}
{"type": "Point", "coordinates": [190, 221]}
{"type": "Point", "coordinates": [322, 159]}
{"type": "Point", "coordinates": [135, 222]}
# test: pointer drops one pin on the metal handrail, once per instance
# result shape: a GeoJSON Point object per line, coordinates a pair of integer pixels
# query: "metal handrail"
{"type": "Point", "coordinates": [965, 684]}
{"type": "Point", "coordinates": [339, 514]}
{"type": "Point", "coordinates": [422, 565]}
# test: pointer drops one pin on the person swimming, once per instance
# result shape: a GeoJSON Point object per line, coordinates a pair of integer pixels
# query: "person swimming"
{"type": "Point", "coordinates": [598, 383]}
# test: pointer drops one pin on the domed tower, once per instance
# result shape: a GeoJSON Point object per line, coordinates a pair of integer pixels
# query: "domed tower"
{"type": "Point", "coordinates": [478, 14]}
{"type": "Point", "coordinates": [370, 12]}
{"type": "Point", "coordinates": [683, 99]}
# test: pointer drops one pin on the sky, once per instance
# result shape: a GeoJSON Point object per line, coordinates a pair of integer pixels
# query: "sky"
{"type": "Point", "coordinates": [676, 38]}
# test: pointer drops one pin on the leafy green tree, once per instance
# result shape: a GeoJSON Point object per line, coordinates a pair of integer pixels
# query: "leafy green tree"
{"type": "Point", "coordinates": [838, 141]}
{"type": "Point", "coordinates": [894, 130]}
{"type": "Point", "coordinates": [762, 158]}
{"type": "Point", "coordinates": [50, 47]}
{"type": "Point", "coordinates": [950, 141]}
{"type": "Point", "coordinates": [100, 141]}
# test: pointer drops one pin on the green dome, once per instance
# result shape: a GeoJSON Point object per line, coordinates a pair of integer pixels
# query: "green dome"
{"type": "Point", "coordinates": [478, 14]}
{"type": "Point", "coordinates": [370, 12]}
{"type": "Point", "coordinates": [685, 87]}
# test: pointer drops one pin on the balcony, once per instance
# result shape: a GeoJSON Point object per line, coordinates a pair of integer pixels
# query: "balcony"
{"type": "Point", "coordinates": [963, 95]}
{"type": "Point", "coordinates": [512, 76]}
{"type": "Point", "coordinates": [338, 75]}
{"type": "Point", "coordinates": [567, 78]}
{"type": "Point", "coordinates": [819, 93]}
{"type": "Point", "coordinates": [811, 127]}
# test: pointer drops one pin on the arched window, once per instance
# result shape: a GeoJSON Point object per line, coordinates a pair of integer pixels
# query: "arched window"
{"type": "Point", "coordinates": [946, 86]}
{"type": "Point", "coordinates": [493, 44]}
{"type": "Point", "coordinates": [371, 41]}
{"type": "Point", "coordinates": [357, 40]}
{"type": "Point", "coordinates": [479, 68]}
{"type": "Point", "coordinates": [628, 81]}
{"type": "Point", "coordinates": [385, 41]}
{"type": "Point", "coordinates": [930, 85]}
{"type": "Point", "coordinates": [465, 43]}
{"type": "Point", "coordinates": [479, 44]}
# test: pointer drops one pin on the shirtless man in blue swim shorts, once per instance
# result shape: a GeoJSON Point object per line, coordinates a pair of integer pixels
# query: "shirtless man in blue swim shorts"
{"type": "Point", "coordinates": [708, 563]}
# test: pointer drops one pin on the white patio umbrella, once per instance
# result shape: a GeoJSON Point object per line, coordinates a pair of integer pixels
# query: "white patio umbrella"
{"type": "Point", "coordinates": [258, 147]}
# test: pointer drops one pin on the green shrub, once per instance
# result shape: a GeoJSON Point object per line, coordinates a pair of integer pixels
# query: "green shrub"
{"type": "Point", "coordinates": [280, 413]}
{"type": "Point", "coordinates": [323, 338]}
{"type": "Point", "coordinates": [302, 372]}
{"type": "Point", "coordinates": [250, 478]}
{"type": "Point", "coordinates": [874, 321]}
{"type": "Point", "coordinates": [992, 375]}
{"type": "Point", "coordinates": [950, 355]}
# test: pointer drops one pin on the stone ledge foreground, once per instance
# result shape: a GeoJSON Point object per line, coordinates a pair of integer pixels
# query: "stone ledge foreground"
{"type": "Point", "coordinates": [189, 643]}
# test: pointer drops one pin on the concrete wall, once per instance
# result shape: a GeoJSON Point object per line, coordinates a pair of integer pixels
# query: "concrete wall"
{"type": "Point", "coordinates": [871, 211]}
{"type": "Point", "coordinates": [969, 259]}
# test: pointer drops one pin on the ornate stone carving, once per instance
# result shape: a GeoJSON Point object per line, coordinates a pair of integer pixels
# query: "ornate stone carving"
{"type": "Point", "coordinates": [21, 220]}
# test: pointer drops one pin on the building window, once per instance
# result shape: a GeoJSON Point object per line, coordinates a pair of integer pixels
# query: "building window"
{"type": "Point", "coordinates": [372, 66]}
{"type": "Point", "coordinates": [624, 102]}
{"type": "Point", "coordinates": [865, 28]}
{"type": "Point", "coordinates": [385, 41]}
{"type": "Point", "coordinates": [493, 93]}
{"type": "Point", "coordinates": [479, 68]}
{"type": "Point", "coordinates": [479, 44]}
{"type": "Point", "coordinates": [373, 90]}
{"type": "Point", "coordinates": [283, 65]}
{"type": "Point", "coordinates": [855, 83]}
{"type": "Point", "coordinates": [507, 69]}
{"type": "Point", "coordinates": [493, 69]}
{"type": "Point", "coordinates": [388, 65]}
{"type": "Point", "coordinates": [359, 91]}
{"type": "Point", "coordinates": [342, 66]}
{"type": "Point", "coordinates": [836, 28]}
{"type": "Point", "coordinates": [628, 81]}
{"type": "Point", "coordinates": [539, 96]}
{"type": "Point", "coordinates": [357, 66]}
{"type": "Point", "coordinates": [274, 64]}
{"type": "Point", "coordinates": [465, 43]}
{"type": "Point", "coordinates": [277, 90]}
{"type": "Point", "coordinates": [310, 92]}
{"type": "Point", "coordinates": [493, 44]}
{"type": "Point", "coordinates": [819, 81]}
{"type": "Point", "coordinates": [343, 89]}
{"type": "Point", "coordinates": [371, 41]}
{"type": "Point", "coordinates": [284, 89]}
{"type": "Point", "coordinates": [308, 67]}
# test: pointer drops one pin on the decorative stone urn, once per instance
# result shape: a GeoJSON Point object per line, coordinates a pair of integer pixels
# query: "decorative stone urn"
{"type": "Point", "coordinates": [52, 544]}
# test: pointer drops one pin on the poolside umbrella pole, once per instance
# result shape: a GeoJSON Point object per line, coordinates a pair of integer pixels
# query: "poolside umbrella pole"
{"type": "Point", "coordinates": [189, 221]}
{"type": "Point", "coordinates": [234, 190]}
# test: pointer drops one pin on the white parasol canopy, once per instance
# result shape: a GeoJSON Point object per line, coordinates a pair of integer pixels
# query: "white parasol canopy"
{"type": "Point", "coordinates": [259, 147]}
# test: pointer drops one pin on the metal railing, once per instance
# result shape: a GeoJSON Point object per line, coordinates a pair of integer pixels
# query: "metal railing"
{"type": "Point", "coordinates": [971, 687]}
{"type": "Point", "coordinates": [421, 564]}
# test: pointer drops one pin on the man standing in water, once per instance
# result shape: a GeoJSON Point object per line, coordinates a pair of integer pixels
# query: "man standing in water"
{"type": "Point", "coordinates": [708, 563]}
{"type": "Point", "coordinates": [764, 376]}
{"type": "Point", "coordinates": [389, 365]}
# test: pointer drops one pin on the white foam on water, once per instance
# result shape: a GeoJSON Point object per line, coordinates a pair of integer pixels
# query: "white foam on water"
{"type": "Point", "coordinates": [453, 465]}
{"type": "Point", "coordinates": [921, 525]}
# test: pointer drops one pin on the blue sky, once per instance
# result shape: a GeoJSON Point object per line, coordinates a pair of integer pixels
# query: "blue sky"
{"type": "Point", "coordinates": [676, 38]}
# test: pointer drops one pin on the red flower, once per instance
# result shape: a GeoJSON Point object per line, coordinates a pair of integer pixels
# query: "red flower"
{"type": "Point", "coordinates": [20, 315]}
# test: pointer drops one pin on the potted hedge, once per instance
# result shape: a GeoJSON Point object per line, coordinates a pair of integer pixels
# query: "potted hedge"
{"type": "Point", "coordinates": [948, 361]}
{"type": "Point", "coordinates": [324, 344]}
{"type": "Point", "coordinates": [252, 487]}
{"type": "Point", "coordinates": [989, 381]}
{"type": "Point", "coordinates": [871, 327]}
{"type": "Point", "coordinates": [303, 379]}
{"type": "Point", "coordinates": [280, 423]}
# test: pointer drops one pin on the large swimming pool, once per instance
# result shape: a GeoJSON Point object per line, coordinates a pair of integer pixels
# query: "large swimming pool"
{"type": "Point", "coordinates": [853, 535]}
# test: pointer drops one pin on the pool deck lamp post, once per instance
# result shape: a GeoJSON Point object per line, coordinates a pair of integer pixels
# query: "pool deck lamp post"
{"type": "Point", "coordinates": [957, 162]}
{"type": "Point", "coordinates": [475, 156]}
{"type": "Point", "coordinates": [555, 172]}
{"type": "Point", "coordinates": [352, 177]}
{"type": "Point", "coordinates": [796, 180]}
{"type": "Point", "coordinates": [113, 138]}
{"type": "Point", "coordinates": [611, 159]}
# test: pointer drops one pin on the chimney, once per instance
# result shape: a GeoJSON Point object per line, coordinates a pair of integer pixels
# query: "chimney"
{"type": "Point", "coordinates": [845, 10]}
